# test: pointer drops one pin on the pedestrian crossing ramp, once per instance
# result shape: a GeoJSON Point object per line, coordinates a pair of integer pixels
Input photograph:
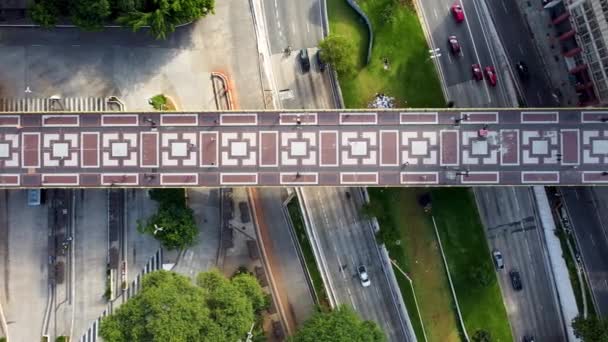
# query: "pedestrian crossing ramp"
{"type": "Point", "coordinates": [154, 263]}
{"type": "Point", "coordinates": [67, 104]}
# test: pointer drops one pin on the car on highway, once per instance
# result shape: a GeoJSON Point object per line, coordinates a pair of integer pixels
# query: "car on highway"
{"type": "Point", "coordinates": [457, 12]}
{"type": "Point", "coordinates": [515, 280]}
{"type": "Point", "coordinates": [477, 73]}
{"type": "Point", "coordinates": [454, 45]}
{"type": "Point", "coordinates": [363, 276]}
{"type": "Point", "coordinates": [304, 60]}
{"type": "Point", "coordinates": [320, 62]}
{"type": "Point", "coordinates": [491, 75]}
{"type": "Point", "coordinates": [522, 70]}
{"type": "Point", "coordinates": [528, 338]}
{"type": "Point", "coordinates": [498, 261]}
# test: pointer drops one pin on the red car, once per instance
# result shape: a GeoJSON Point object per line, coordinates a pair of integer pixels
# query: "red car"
{"type": "Point", "coordinates": [454, 45]}
{"type": "Point", "coordinates": [491, 75]}
{"type": "Point", "coordinates": [457, 12]}
{"type": "Point", "coordinates": [477, 74]}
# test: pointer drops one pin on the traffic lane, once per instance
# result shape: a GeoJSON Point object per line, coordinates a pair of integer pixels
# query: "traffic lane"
{"type": "Point", "coordinates": [441, 25]}
{"type": "Point", "coordinates": [293, 23]}
{"type": "Point", "coordinates": [294, 283]}
{"type": "Point", "coordinates": [592, 244]}
{"type": "Point", "coordinates": [516, 37]}
{"type": "Point", "coordinates": [345, 245]}
{"type": "Point", "coordinates": [512, 228]}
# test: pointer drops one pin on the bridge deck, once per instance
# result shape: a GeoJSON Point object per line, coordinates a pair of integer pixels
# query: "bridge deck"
{"type": "Point", "coordinates": [393, 148]}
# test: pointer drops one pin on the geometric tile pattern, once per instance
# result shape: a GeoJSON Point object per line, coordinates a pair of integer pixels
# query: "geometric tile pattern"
{"type": "Point", "coordinates": [392, 147]}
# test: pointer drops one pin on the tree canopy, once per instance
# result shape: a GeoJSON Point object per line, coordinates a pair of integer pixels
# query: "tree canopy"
{"type": "Point", "coordinates": [339, 53]}
{"type": "Point", "coordinates": [162, 16]}
{"type": "Point", "coordinates": [173, 224]}
{"type": "Point", "coordinates": [591, 329]}
{"type": "Point", "coordinates": [170, 307]}
{"type": "Point", "coordinates": [339, 325]}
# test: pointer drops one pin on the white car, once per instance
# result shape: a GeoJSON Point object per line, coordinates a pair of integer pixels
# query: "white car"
{"type": "Point", "coordinates": [363, 276]}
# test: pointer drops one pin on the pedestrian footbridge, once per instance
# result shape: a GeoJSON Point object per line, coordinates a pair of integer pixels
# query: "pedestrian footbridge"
{"type": "Point", "coordinates": [414, 147]}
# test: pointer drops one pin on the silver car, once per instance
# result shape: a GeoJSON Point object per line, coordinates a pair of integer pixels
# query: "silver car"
{"type": "Point", "coordinates": [497, 256]}
{"type": "Point", "coordinates": [363, 276]}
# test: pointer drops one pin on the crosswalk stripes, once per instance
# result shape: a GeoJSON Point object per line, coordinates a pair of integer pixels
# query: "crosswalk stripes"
{"type": "Point", "coordinates": [154, 263]}
{"type": "Point", "coordinates": [70, 104]}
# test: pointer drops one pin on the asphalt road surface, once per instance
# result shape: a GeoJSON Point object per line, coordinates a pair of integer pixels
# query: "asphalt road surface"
{"type": "Point", "coordinates": [477, 45]}
{"type": "Point", "coordinates": [512, 228]}
{"type": "Point", "coordinates": [588, 218]}
{"type": "Point", "coordinates": [516, 38]}
{"type": "Point", "coordinates": [346, 241]}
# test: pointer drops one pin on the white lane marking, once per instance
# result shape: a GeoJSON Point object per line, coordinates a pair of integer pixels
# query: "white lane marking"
{"type": "Point", "coordinates": [450, 57]}
{"type": "Point", "coordinates": [293, 28]}
{"type": "Point", "coordinates": [435, 13]}
{"type": "Point", "coordinates": [307, 27]}
{"type": "Point", "coordinates": [485, 85]}
{"type": "Point", "coordinates": [521, 49]}
{"type": "Point", "coordinates": [504, 7]}
{"type": "Point", "coordinates": [350, 295]}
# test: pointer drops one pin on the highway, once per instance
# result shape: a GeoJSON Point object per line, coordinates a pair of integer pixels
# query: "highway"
{"type": "Point", "coordinates": [478, 47]}
{"type": "Point", "coordinates": [346, 241]}
{"type": "Point", "coordinates": [512, 228]}
{"type": "Point", "coordinates": [588, 218]}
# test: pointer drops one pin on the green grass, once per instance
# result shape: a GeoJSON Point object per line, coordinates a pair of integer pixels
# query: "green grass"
{"type": "Point", "coordinates": [469, 260]}
{"type": "Point", "coordinates": [418, 255]}
{"type": "Point", "coordinates": [411, 78]}
{"type": "Point", "coordinates": [298, 224]}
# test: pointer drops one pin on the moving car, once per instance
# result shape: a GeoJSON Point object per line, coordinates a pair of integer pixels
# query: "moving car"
{"type": "Point", "coordinates": [515, 280]}
{"type": "Point", "coordinates": [528, 338]}
{"type": "Point", "coordinates": [522, 70]}
{"type": "Point", "coordinates": [457, 12]}
{"type": "Point", "coordinates": [363, 276]}
{"type": "Point", "coordinates": [477, 74]}
{"type": "Point", "coordinates": [320, 62]}
{"type": "Point", "coordinates": [491, 75]}
{"type": "Point", "coordinates": [498, 261]}
{"type": "Point", "coordinates": [304, 60]}
{"type": "Point", "coordinates": [454, 45]}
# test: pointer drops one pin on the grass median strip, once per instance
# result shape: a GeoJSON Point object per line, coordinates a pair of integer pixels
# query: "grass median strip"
{"type": "Point", "coordinates": [470, 263]}
{"type": "Point", "coordinates": [398, 37]}
{"type": "Point", "coordinates": [309, 259]}
{"type": "Point", "coordinates": [414, 248]}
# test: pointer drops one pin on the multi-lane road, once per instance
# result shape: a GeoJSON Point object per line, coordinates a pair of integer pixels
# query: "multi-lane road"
{"type": "Point", "coordinates": [345, 241]}
{"type": "Point", "coordinates": [513, 229]}
{"type": "Point", "coordinates": [588, 214]}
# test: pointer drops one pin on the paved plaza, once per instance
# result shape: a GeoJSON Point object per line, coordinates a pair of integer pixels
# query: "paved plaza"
{"type": "Point", "coordinates": [393, 147]}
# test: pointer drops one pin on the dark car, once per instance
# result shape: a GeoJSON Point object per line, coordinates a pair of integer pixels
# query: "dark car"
{"type": "Point", "coordinates": [528, 338]}
{"type": "Point", "coordinates": [320, 62]}
{"type": "Point", "coordinates": [454, 45]}
{"type": "Point", "coordinates": [515, 280]}
{"type": "Point", "coordinates": [522, 70]}
{"type": "Point", "coordinates": [304, 60]}
{"type": "Point", "coordinates": [477, 73]}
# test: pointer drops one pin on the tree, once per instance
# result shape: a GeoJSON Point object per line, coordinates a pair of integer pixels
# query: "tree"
{"type": "Point", "coordinates": [173, 226]}
{"type": "Point", "coordinates": [482, 336]}
{"type": "Point", "coordinates": [44, 13]}
{"type": "Point", "coordinates": [89, 15]}
{"type": "Point", "coordinates": [591, 329]}
{"type": "Point", "coordinates": [170, 307]}
{"type": "Point", "coordinates": [340, 53]}
{"type": "Point", "coordinates": [163, 16]}
{"type": "Point", "coordinates": [339, 325]}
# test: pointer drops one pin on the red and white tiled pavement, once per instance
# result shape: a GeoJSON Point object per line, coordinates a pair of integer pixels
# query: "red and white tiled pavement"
{"type": "Point", "coordinates": [393, 148]}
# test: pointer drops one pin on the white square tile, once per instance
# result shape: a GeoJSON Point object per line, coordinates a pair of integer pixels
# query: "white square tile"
{"type": "Point", "coordinates": [60, 150]}
{"type": "Point", "coordinates": [479, 147]}
{"type": "Point", "coordinates": [298, 148]}
{"type": "Point", "coordinates": [358, 148]}
{"type": "Point", "coordinates": [120, 149]}
{"type": "Point", "coordinates": [600, 147]}
{"type": "Point", "coordinates": [179, 149]}
{"type": "Point", "coordinates": [540, 147]}
{"type": "Point", "coordinates": [419, 148]}
{"type": "Point", "coordinates": [238, 149]}
{"type": "Point", "coordinates": [4, 150]}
